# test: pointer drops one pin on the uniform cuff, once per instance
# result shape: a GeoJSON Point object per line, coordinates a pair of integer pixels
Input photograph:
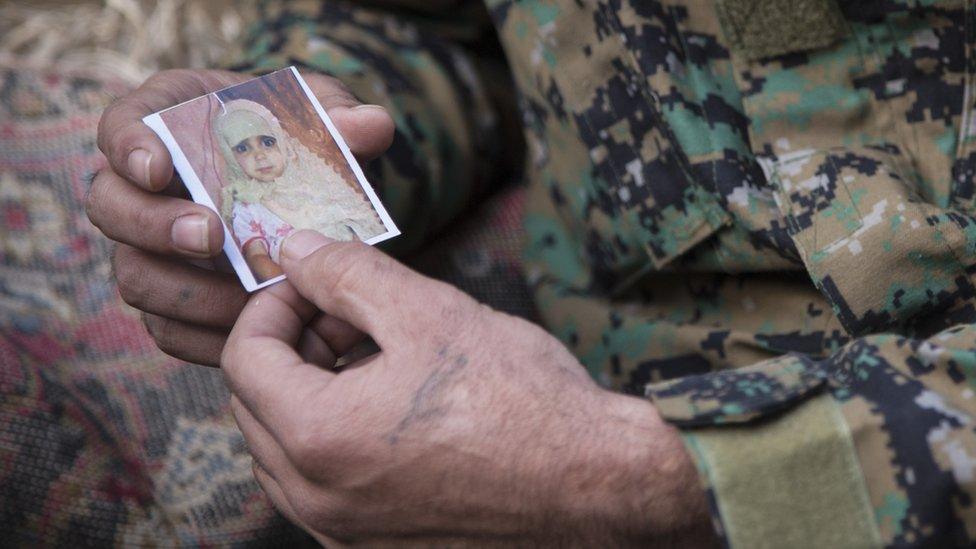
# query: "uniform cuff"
{"type": "Point", "coordinates": [775, 455]}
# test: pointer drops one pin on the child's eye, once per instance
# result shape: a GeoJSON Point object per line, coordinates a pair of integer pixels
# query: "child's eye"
{"type": "Point", "coordinates": [241, 148]}
{"type": "Point", "coordinates": [268, 142]}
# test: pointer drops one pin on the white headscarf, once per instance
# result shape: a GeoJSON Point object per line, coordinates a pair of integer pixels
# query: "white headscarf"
{"type": "Point", "coordinates": [309, 194]}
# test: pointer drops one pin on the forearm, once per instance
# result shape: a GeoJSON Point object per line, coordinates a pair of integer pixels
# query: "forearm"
{"type": "Point", "coordinates": [650, 484]}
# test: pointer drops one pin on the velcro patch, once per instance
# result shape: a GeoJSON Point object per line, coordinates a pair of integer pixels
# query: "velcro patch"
{"type": "Point", "coordinates": [765, 28]}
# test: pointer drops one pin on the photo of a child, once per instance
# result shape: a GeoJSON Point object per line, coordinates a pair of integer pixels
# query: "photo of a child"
{"type": "Point", "coordinates": [276, 185]}
{"type": "Point", "coordinates": [268, 160]}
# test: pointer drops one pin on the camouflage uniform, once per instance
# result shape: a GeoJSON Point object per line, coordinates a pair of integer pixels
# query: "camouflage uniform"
{"type": "Point", "coordinates": [761, 218]}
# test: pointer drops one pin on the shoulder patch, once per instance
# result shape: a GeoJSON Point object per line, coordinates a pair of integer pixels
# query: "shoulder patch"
{"type": "Point", "coordinates": [765, 28]}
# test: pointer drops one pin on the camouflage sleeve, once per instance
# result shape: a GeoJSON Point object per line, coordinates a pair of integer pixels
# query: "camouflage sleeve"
{"type": "Point", "coordinates": [413, 65]}
{"type": "Point", "coordinates": [877, 447]}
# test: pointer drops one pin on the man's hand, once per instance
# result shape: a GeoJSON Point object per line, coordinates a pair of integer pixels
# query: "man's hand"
{"type": "Point", "coordinates": [467, 425]}
{"type": "Point", "coordinates": [187, 309]}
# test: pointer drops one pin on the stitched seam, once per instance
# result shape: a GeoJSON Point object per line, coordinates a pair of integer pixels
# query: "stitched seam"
{"type": "Point", "coordinates": [886, 105]}
{"type": "Point", "coordinates": [708, 135]}
{"type": "Point", "coordinates": [655, 101]}
{"type": "Point", "coordinates": [704, 111]}
{"type": "Point", "coordinates": [850, 198]}
{"type": "Point", "coordinates": [913, 128]}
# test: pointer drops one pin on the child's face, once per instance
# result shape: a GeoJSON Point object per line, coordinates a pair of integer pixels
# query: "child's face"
{"type": "Point", "coordinates": [260, 158]}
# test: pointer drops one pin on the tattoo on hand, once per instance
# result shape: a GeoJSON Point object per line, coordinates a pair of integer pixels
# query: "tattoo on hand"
{"type": "Point", "coordinates": [426, 404]}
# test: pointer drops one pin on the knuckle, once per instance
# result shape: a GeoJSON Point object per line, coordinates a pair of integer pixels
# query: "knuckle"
{"type": "Point", "coordinates": [320, 452]}
{"type": "Point", "coordinates": [151, 221]}
{"type": "Point", "coordinates": [163, 75]}
{"type": "Point", "coordinates": [120, 144]}
{"type": "Point", "coordinates": [167, 77]}
{"type": "Point", "coordinates": [163, 332]}
{"type": "Point", "coordinates": [457, 311]}
{"type": "Point", "coordinates": [132, 279]}
{"type": "Point", "coordinates": [340, 99]}
{"type": "Point", "coordinates": [213, 300]}
{"type": "Point", "coordinates": [94, 198]}
{"type": "Point", "coordinates": [306, 450]}
{"type": "Point", "coordinates": [184, 74]}
{"type": "Point", "coordinates": [113, 139]}
{"type": "Point", "coordinates": [334, 92]}
{"type": "Point", "coordinates": [170, 77]}
{"type": "Point", "coordinates": [153, 325]}
{"type": "Point", "coordinates": [344, 263]}
{"type": "Point", "coordinates": [336, 83]}
{"type": "Point", "coordinates": [105, 123]}
{"type": "Point", "coordinates": [91, 206]}
{"type": "Point", "coordinates": [113, 258]}
{"type": "Point", "coordinates": [327, 83]}
{"type": "Point", "coordinates": [345, 280]}
{"type": "Point", "coordinates": [166, 345]}
{"type": "Point", "coordinates": [181, 84]}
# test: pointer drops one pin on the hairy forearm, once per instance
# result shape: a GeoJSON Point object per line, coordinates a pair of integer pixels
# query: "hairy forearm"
{"type": "Point", "coordinates": [651, 490]}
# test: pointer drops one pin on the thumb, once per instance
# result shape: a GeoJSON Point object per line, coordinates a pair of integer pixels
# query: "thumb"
{"type": "Point", "coordinates": [368, 289]}
{"type": "Point", "coordinates": [367, 129]}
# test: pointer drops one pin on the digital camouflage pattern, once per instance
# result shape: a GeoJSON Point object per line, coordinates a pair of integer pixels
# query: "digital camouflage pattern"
{"type": "Point", "coordinates": [778, 251]}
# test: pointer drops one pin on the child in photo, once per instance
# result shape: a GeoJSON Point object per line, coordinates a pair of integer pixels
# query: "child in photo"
{"type": "Point", "coordinates": [275, 185]}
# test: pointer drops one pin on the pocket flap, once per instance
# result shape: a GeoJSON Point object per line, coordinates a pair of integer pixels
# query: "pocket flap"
{"type": "Point", "coordinates": [736, 396]}
{"type": "Point", "coordinates": [646, 178]}
{"type": "Point", "coordinates": [880, 255]}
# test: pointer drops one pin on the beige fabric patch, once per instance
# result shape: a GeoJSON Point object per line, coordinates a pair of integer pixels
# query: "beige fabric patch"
{"type": "Point", "coordinates": [793, 481]}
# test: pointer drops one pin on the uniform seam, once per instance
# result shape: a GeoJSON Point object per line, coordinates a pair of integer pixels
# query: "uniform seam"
{"type": "Point", "coordinates": [707, 206]}
{"type": "Point", "coordinates": [884, 104]}
{"type": "Point", "coordinates": [716, 246]}
{"type": "Point", "coordinates": [708, 210]}
{"type": "Point", "coordinates": [913, 128]}
{"type": "Point", "coordinates": [704, 111]}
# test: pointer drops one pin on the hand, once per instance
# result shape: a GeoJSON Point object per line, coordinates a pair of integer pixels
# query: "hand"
{"type": "Point", "coordinates": [468, 425]}
{"type": "Point", "coordinates": [135, 201]}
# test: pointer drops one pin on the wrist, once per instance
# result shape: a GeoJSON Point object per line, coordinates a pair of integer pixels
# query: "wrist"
{"type": "Point", "coordinates": [654, 492]}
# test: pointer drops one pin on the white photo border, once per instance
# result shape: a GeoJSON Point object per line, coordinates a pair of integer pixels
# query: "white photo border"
{"type": "Point", "coordinates": [200, 195]}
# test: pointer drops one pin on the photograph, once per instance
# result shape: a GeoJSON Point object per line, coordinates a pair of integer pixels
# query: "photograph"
{"type": "Point", "coordinates": [266, 157]}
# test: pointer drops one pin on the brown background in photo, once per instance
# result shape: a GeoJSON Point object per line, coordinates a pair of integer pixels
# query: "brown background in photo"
{"type": "Point", "coordinates": [192, 126]}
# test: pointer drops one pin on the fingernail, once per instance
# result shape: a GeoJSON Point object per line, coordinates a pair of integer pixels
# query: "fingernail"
{"type": "Point", "coordinates": [302, 244]}
{"type": "Point", "coordinates": [191, 233]}
{"type": "Point", "coordinates": [139, 161]}
{"type": "Point", "coordinates": [369, 108]}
